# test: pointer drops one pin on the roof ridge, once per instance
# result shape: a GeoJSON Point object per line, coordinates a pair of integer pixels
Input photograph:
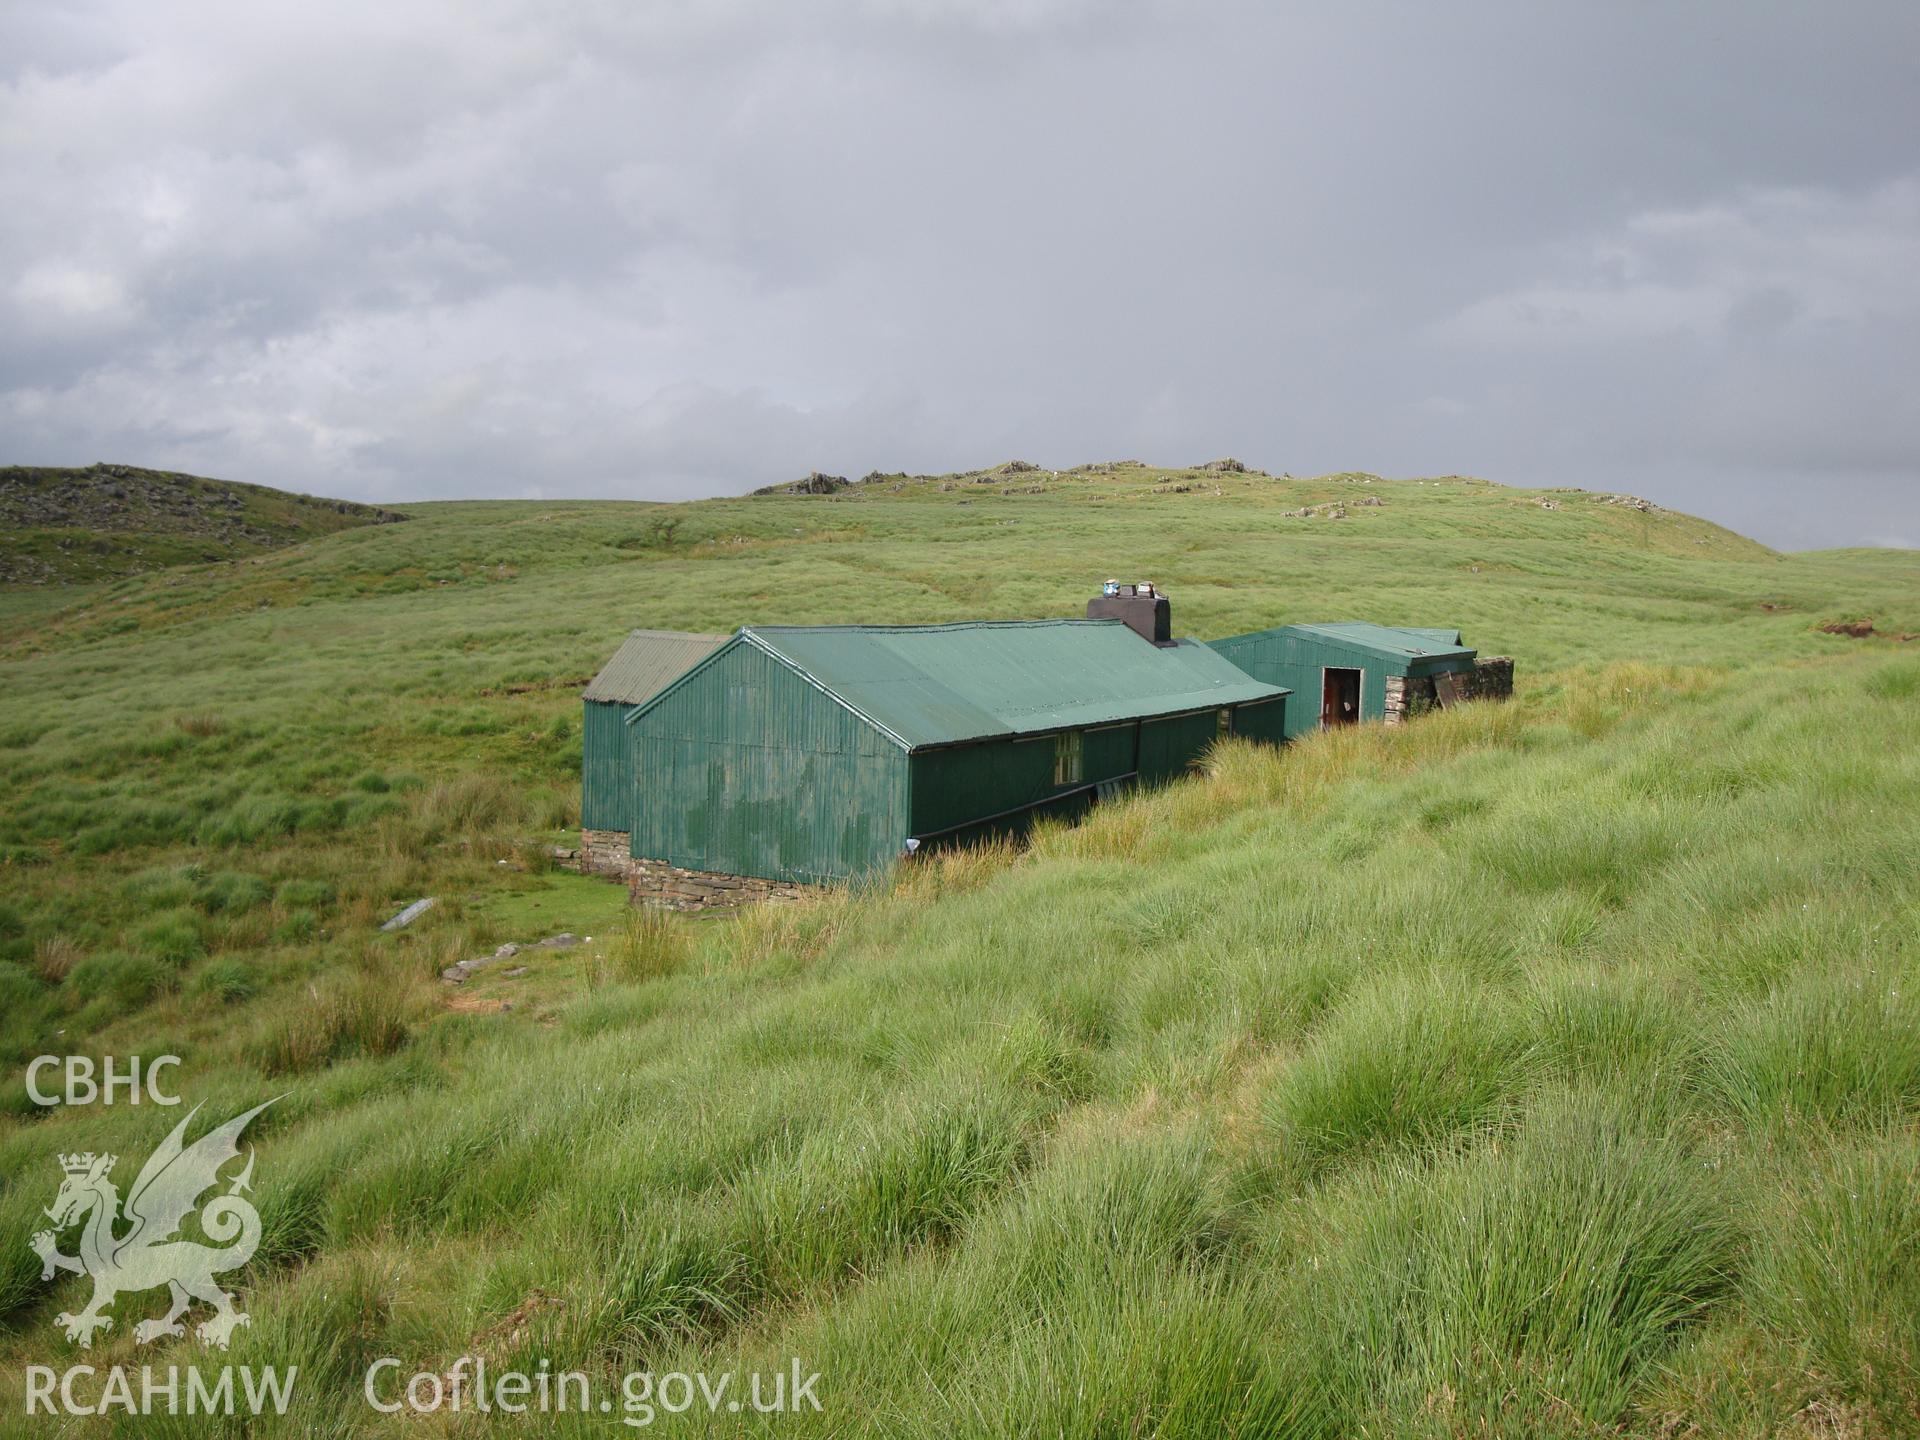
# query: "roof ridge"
{"type": "Point", "coordinates": [936, 625]}
{"type": "Point", "coordinates": [967, 680]}
{"type": "Point", "coordinates": [1416, 642]}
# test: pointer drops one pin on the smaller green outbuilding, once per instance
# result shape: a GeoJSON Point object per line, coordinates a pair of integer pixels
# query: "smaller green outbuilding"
{"type": "Point", "coordinates": [815, 753]}
{"type": "Point", "coordinates": [1349, 671]}
{"type": "Point", "coordinates": [646, 662]}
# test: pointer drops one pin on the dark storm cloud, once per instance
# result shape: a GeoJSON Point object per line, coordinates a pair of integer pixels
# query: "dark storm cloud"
{"type": "Point", "coordinates": [403, 251]}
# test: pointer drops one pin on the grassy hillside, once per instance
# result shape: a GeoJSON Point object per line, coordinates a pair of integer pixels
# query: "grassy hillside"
{"type": "Point", "coordinates": [61, 526]}
{"type": "Point", "coordinates": [1550, 1068]}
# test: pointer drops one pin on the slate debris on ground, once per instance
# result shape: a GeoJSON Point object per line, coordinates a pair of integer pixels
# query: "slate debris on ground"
{"type": "Point", "coordinates": [412, 913]}
{"type": "Point", "coordinates": [461, 971]}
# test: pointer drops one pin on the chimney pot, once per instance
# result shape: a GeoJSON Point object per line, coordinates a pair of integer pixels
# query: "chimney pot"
{"type": "Point", "coordinates": [1147, 613]}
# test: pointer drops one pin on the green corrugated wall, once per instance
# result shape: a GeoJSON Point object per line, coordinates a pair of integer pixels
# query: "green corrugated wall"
{"type": "Point", "coordinates": [606, 779]}
{"type": "Point", "coordinates": [1295, 661]}
{"type": "Point", "coordinates": [1265, 721]}
{"type": "Point", "coordinates": [747, 769]}
{"type": "Point", "coordinates": [961, 783]}
{"type": "Point", "coordinates": [1170, 745]}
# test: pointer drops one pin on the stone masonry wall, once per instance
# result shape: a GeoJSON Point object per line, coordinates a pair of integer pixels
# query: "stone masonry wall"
{"type": "Point", "coordinates": [604, 852]}
{"type": "Point", "coordinates": [654, 882]}
{"type": "Point", "coordinates": [1407, 694]}
{"type": "Point", "coordinates": [1490, 679]}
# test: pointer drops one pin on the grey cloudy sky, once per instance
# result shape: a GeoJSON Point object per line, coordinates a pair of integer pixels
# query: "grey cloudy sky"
{"type": "Point", "coordinates": [481, 247]}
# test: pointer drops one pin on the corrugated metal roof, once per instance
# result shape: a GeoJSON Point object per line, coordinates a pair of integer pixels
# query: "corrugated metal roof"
{"type": "Point", "coordinates": [647, 662]}
{"type": "Point", "coordinates": [1388, 640]}
{"type": "Point", "coordinates": [1443, 637]}
{"type": "Point", "coordinates": [941, 684]}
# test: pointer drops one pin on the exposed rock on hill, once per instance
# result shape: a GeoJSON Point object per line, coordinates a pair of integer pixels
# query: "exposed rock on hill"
{"type": "Point", "coordinates": [60, 524]}
{"type": "Point", "coordinates": [815, 483]}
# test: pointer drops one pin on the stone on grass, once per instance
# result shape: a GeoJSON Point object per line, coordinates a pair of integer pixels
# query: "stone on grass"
{"type": "Point", "coordinates": [412, 913]}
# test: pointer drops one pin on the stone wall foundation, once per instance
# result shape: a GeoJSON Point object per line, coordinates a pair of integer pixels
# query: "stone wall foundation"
{"type": "Point", "coordinates": [654, 882]}
{"type": "Point", "coordinates": [605, 852]}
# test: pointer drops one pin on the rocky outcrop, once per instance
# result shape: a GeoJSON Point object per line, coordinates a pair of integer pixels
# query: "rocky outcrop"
{"type": "Point", "coordinates": [815, 482]}
{"type": "Point", "coordinates": [1328, 511]}
{"type": "Point", "coordinates": [127, 497]}
{"type": "Point", "coordinates": [88, 523]}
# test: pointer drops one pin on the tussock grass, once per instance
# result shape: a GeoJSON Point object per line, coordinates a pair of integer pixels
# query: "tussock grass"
{"type": "Point", "coordinates": [1837, 1274]}
{"type": "Point", "coordinates": [951, 872]}
{"type": "Point", "coordinates": [54, 957]}
{"type": "Point", "coordinates": [784, 934]}
{"type": "Point", "coordinates": [227, 981]}
{"type": "Point", "coordinates": [116, 978]}
{"type": "Point", "coordinates": [1523, 1288]}
{"type": "Point", "coordinates": [668, 1283]}
{"type": "Point", "coordinates": [847, 1200]}
{"type": "Point", "coordinates": [1823, 1051]}
{"type": "Point", "coordinates": [1406, 1063]}
{"type": "Point", "coordinates": [1899, 681]}
{"type": "Point", "coordinates": [359, 1015]}
{"type": "Point", "coordinates": [1545, 848]}
{"type": "Point", "coordinates": [1540, 1068]}
{"type": "Point", "coordinates": [1624, 1031]}
{"type": "Point", "coordinates": [651, 944]}
{"type": "Point", "coordinates": [468, 805]}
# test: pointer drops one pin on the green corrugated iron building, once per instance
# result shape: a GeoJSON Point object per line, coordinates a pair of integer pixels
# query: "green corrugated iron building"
{"type": "Point", "coordinates": [646, 662]}
{"type": "Point", "coordinates": [817, 753]}
{"type": "Point", "coordinates": [1352, 671]}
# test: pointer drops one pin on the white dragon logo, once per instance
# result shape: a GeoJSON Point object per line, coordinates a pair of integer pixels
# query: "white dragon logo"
{"type": "Point", "coordinates": [146, 1255]}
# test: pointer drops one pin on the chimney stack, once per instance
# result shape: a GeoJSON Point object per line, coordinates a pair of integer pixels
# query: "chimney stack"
{"type": "Point", "coordinates": [1144, 609]}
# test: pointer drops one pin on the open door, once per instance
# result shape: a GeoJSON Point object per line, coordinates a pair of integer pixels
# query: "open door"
{"type": "Point", "coordinates": [1340, 697]}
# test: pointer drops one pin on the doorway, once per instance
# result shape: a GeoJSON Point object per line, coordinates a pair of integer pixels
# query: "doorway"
{"type": "Point", "coordinates": [1340, 697]}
